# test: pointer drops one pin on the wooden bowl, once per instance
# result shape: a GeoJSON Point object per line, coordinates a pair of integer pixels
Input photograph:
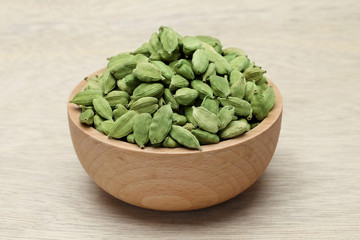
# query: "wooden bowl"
{"type": "Point", "coordinates": [175, 179]}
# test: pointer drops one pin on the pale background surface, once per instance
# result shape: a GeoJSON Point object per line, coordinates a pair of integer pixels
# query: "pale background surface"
{"type": "Point", "coordinates": [311, 50]}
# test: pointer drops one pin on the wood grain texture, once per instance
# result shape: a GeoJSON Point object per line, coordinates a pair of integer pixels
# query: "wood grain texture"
{"type": "Point", "coordinates": [310, 49]}
{"type": "Point", "coordinates": [175, 179]}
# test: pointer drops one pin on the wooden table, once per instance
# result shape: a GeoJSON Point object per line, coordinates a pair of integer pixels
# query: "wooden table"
{"type": "Point", "coordinates": [311, 50]}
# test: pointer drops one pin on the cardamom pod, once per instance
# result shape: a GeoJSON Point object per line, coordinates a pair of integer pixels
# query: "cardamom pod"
{"type": "Point", "coordinates": [183, 68]}
{"type": "Point", "coordinates": [143, 49]}
{"type": "Point", "coordinates": [97, 123]}
{"type": "Point", "coordinates": [87, 117]}
{"type": "Point", "coordinates": [238, 88]}
{"type": "Point", "coordinates": [230, 57]}
{"type": "Point", "coordinates": [189, 116]}
{"type": "Point", "coordinates": [184, 137]}
{"type": "Point", "coordinates": [107, 125]}
{"type": "Point", "coordinates": [123, 67]}
{"type": "Point", "coordinates": [168, 39]}
{"type": "Point", "coordinates": [220, 86]}
{"type": "Point", "coordinates": [260, 106]}
{"type": "Point", "coordinates": [123, 87]}
{"type": "Point", "coordinates": [117, 97]}
{"type": "Point", "coordinates": [205, 137]}
{"type": "Point", "coordinates": [161, 124]}
{"type": "Point", "coordinates": [206, 120]}
{"type": "Point", "coordinates": [221, 65]}
{"type": "Point", "coordinates": [186, 96]}
{"type": "Point", "coordinates": [178, 119]}
{"type": "Point", "coordinates": [234, 50]}
{"type": "Point", "coordinates": [119, 110]}
{"type": "Point", "coordinates": [169, 98]}
{"type": "Point", "coordinates": [190, 45]}
{"type": "Point", "coordinates": [169, 142]}
{"type": "Point", "coordinates": [203, 89]}
{"type": "Point", "coordinates": [145, 105]}
{"type": "Point", "coordinates": [211, 104]}
{"type": "Point", "coordinates": [236, 75]}
{"type": "Point", "coordinates": [130, 138]}
{"type": "Point", "coordinates": [213, 42]}
{"type": "Point", "coordinates": [131, 81]}
{"type": "Point", "coordinates": [254, 74]}
{"type": "Point", "coordinates": [161, 102]}
{"type": "Point", "coordinates": [148, 90]}
{"type": "Point", "coordinates": [200, 61]}
{"type": "Point", "coordinates": [177, 82]}
{"type": "Point", "coordinates": [147, 72]}
{"type": "Point", "coordinates": [234, 129]}
{"type": "Point", "coordinates": [141, 58]}
{"type": "Point", "coordinates": [123, 126]}
{"type": "Point", "coordinates": [86, 97]}
{"type": "Point", "coordinates": [209, 72]}
{"type": "Point", "coordinates": [102, 107]}
{"type": "Point", "coordinates": [189, 126]}
{"type": "Point", "coordinates": [114, 59]}
{"type": "Point", "coordinates": [94, 83]}
{"type": "Point", "coordinates": [250, 89]}
{"type": "Point", "coordinates": [225, 116]}
{"type": "Point", "coordinates": [270, 97]}
{"type": "Point", "coordinates": [240, 63]}
{"type": "Point", "coordinates": [141, 129]}
{"type": "Point", "coordinates": [242, 107]}
{"type": "Point", "coordinates": [165, 70]}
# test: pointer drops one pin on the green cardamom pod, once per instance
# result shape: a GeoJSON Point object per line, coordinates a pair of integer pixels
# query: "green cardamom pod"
{"type": "Point", "coordinates": [242, 107]}
{"type": "Point", "coordinates": [270, 97]}
{"type": "Point", "coordinates": [154, 55]}
{"type": "Point", "coordinates": [148, 90]}
{"type": "Point", "coordinates": [234, 129]}
{"type": "Point", "coordinates": [213, 42]}
{"type": "Point", "coordinates": [250, 89]}
{"type": "Point", "coordinates": [220, 86]}
{"type": "Point", "coordinates": [168, 39]}
{"type": "Point", "coordinates": [230, 57]}
{"type": "Point", "coordinates": [97, 123]}
{"type": "Point", "coordinates": [147, 72]}
{"type": "Point", "coordinates": [184, 137]}
{"type": "Point", "coordinates": [211, 104]}
{"type": "Point", "coordinates": [240, 63]}
{"type": "Point", "coordinates": [102, 107]}
{"type": "Point", "coordinates": [189, 126]}
{"type": "Point", "coordinates": [123, 67]}
{"type": "Point", "coordinates": [143, 49]}
{"type": "Point", "coordinates": [200, 61]}
{"type": "Point", "coordinates": [189, 116]}
{"type": "Point", "coordinates": [234, 50]}
{"type": "Point", "coordinates": [225, 116]}
{"type": "Point", "coordinates": [123, 87]}
{"type": "Point", "coordinates": [131, 81]}
{"type": "Point", "coordinates": [87, 117]}
{"type": "Point", "coordinates": [169, 98]}
{"type": "Point", "coordinates": [209, 72]}
{"type": "Point", "coordinates": [165, 70]}
{"type": "Point", "coordinates": [260, 106]}
{"type": "Point", "coordinates": [94, 83]}
{"type": "Point", "coordinates": [254, 74]}
{"type": "Point", "coordinates": [123, 126]}
{"type": "Point", "coordinates": [169, 142]}
{"type": "Point", "coordinates": [234, 118]}
{"type": "Point", "coordinates": [115, 59]}
{"type": "Point", "coordinates": [161, 102]}
{"type": "Point", "coordinates": [107, 125]}
{"type": "Point", "coordinates": [190, 45]}
{"type": "Point", "coordinates": [238, 88]}
{"type": "Point", "coordinates": [236, 75]}
{"type": "Point", "coordinates": [177, 82]}
{"type": "Point", "coordinates": [183, 68]}
{"type": "Point", "coordinates": [203, 89]}
{"type": "Point", "coordinates": [161, 124]}
{"type": "Point", "coordinates": [155, 42]}
{"type": "Point", "coordinates": [119, 111]}
{"type": "Point", "coordinates": [186, 96]}
{"type": "Point", "coordinates": [130, 138]}
{"type": "Point", "coordinates": [141, 58]}
{"type": "Point", "coordinates": [221, 65]}
{"type": "Point", "coordinates": [145, 105]}
{"type": "Point", "coordinates": [178, 119]}
{"type": "Point", "coordinates": [117, 97]}
{"type": "Point", "coordinates": [205, 119]}
{"type": "Point", "coordinates": [141, 129]}
{"type": "Point", "coordinates": [205, 137]}
{"type": "Point", "coordinates": [86, 97]}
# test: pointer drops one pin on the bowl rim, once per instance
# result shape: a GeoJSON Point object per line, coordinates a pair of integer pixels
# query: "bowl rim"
{"type": "Point", "coordinates": [271, 119]}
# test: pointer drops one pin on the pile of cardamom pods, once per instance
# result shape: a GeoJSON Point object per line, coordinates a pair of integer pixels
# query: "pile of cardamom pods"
{"type": "Point", "coordinates": [176, 91]}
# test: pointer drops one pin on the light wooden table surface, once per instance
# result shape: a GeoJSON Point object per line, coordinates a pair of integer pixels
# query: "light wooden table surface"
{"type": "Point", "coordinates": [311, 50]}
